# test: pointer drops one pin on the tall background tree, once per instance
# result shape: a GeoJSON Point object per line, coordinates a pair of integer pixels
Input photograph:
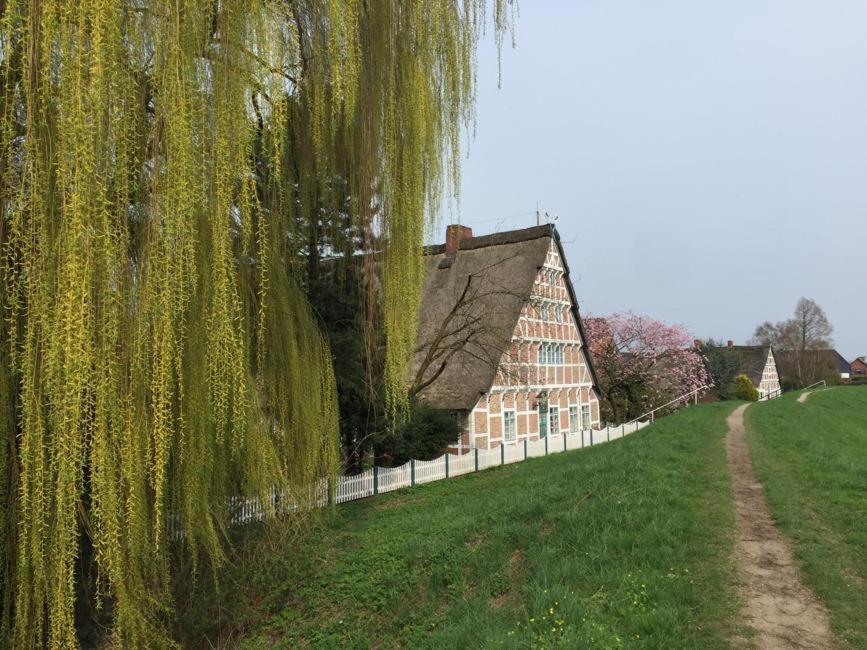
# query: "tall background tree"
{"type": "Point", "coordinates": [642, 363]}
{"type": "Point", "coordinates": [800, 339]}
{"type": "Point", "coordinates": [160, 162]}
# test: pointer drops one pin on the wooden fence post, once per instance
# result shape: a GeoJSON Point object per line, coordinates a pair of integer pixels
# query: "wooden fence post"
{"type": "Point", "coordinates": [502, 453]}
{"type": "Point", "coordinates": [546, 445]}
{"type": "Point", "coordinates": [375, 479]}
{"type": "Point", "coordinates": [447, 463]}
{"type": "Point", "coordinates": [591, 437]}
{"type": "Point", "coordinates": [477, 458]}
{"type": "Point", "coordinates": [328, 489]}
{"type": "Point", "coordinates": [564, 441]}
{"type": "Point", "coordinates": [412, 471]}
{"type": "Point", "coordinates": [525, 449]}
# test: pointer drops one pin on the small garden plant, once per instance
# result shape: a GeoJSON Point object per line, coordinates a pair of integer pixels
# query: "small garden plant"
{"type": "Point", "coordinates": [744, 389]}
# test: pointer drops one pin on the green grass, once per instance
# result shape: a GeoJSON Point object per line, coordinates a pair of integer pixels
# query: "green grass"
{"type": "Point", "coordinates": [812, 460]}
{"type": "Point", "coordinates": [626, 544]}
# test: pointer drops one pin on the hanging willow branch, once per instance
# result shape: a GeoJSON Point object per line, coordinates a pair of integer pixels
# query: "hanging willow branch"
{"type": "Point", "coordinates": [157, 160]}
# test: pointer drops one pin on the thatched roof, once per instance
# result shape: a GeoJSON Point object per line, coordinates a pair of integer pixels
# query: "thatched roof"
{"type": "Point", "coordinates": [752, 360]}
{"type": "Point", "coordinates": [470, 305]}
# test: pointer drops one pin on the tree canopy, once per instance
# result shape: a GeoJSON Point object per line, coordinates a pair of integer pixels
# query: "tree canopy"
{"type": "Point", "coordinates": [800, 342]}
{"type": "Point", "coordinates": [642, 362]}
{"type": "Point", "coordinates": [807, 329]}
{"type": "Point", "coordinates": [159, 163]}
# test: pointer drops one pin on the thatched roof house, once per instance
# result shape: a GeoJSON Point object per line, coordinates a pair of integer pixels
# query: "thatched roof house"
{"type": "Point", "coordinates": [499, 322]}
{"type": "Point", "coordinates": [759, 363]}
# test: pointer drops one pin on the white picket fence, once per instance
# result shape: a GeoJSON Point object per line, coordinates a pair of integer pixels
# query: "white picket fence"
{"type": "Point", "coordinates": [378, 480]}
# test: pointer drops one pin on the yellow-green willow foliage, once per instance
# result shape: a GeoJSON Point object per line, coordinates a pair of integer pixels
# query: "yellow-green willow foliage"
{"type": "Point", "coordinates": [157, 354]}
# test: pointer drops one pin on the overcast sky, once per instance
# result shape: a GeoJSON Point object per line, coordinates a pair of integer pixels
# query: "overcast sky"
{"type": "Point", "coordinates": [707, 160]}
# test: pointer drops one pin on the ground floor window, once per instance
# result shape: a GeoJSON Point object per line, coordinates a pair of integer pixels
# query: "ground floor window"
{"type": "Point", "coordinates": [554, 419]}
{"type": "Point", "coordinates": [510, 427]}
{"type": "Point", "coordinates": [574, 425]}
{"type": "Point", "coordinates": [585, 416]}
{"type": "Point", "coordinates": [543, 420]}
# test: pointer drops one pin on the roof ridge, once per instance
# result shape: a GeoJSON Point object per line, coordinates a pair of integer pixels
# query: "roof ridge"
{"type": "Point", "coordinates": [497, 238]}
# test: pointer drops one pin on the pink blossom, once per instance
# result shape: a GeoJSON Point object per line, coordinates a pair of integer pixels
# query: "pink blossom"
{"type": "Point", "coordinates": [633, 349]}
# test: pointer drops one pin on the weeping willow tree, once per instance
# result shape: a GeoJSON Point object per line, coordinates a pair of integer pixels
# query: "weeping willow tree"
{"type": "Point", "coordinates": [157, 354]}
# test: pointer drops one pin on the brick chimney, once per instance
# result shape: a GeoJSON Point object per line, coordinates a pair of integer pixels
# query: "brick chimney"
{"type": "Point", "coordinates": [455, 232]}
{"type": "Point", "coordinates": [731, 344]}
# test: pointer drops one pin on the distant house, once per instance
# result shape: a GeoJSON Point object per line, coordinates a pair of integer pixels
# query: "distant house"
{"type": "Point", "coordinates": [759, 363]}
{"type": "Point", "coordinates": [500, 341]}
{"type": "Point", "coordinates": [800, 368]}
{"type": "Point", "coordinates": [859, 367]}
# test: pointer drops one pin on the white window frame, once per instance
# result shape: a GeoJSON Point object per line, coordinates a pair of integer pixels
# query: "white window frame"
{"type": "Point", "coordinates": [510, 436]}
{"type": "Point", "coordinates": [586, 417]}
{"type": "Point", "coordinates": [543, 311]}
{"type": "Point", "coordinates": [558, 313]}
{"type": "Point", "coordinates": [554, 420]}
{"type": "Point", "coordinates": [574, 419]}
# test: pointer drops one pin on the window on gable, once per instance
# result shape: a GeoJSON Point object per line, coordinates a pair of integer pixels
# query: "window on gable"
{"type": "Point", "coordinates": [555, 355]}
{"type": "Point", "coordinates": [554, 419]}
{"type": "Point", "coordinates": [543, 353]}
{"type": "Point", "coordinates": [510, 427]}
{"type": "Point", "coordinates": [574, 425]}
{"type": "Point", "coordinates": [585, 416]}
{"type": "Point", "coordinates": [543, 311]}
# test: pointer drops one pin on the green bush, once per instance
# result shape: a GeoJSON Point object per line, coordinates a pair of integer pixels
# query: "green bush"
{"type": "Point", "coordinates": [424, 436]}
{"type": "Point", "coordinates": [744, 389]}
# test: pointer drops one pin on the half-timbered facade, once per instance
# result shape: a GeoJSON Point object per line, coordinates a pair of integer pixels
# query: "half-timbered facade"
{"type": "Point", "coordinates": [501, 311]}
{"type": "Point", "coordinates": [770, 382]}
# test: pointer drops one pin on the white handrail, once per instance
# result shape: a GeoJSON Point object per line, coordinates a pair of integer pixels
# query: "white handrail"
{"type": "Point", "coordinates": [682, 398]}
{"type": "Point", "coordinates": [824, 385]}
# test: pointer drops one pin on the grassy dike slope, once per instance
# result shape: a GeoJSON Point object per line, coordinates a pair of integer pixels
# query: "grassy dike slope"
{"type": "Point", "coordinates": [812, 460]}
{"type": "Point", "coordinates": [625, 544]}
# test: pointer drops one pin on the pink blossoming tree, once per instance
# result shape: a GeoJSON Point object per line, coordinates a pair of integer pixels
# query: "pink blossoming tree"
{"type": "Point", "coordinates": [642, 362]}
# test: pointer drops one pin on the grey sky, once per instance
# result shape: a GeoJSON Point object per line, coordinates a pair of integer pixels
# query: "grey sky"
{"type": "Point", "coordinates": [707, 160]}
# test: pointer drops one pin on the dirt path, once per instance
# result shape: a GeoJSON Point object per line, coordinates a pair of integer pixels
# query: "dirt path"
{"type": "Point", "coordinates": [803, 396]}
{"type": "Point", "coordinates": [784, 613]}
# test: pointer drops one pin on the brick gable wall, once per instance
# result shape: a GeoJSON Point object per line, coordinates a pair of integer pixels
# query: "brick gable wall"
{"type": "Point", "coordinates": [546, 363]}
